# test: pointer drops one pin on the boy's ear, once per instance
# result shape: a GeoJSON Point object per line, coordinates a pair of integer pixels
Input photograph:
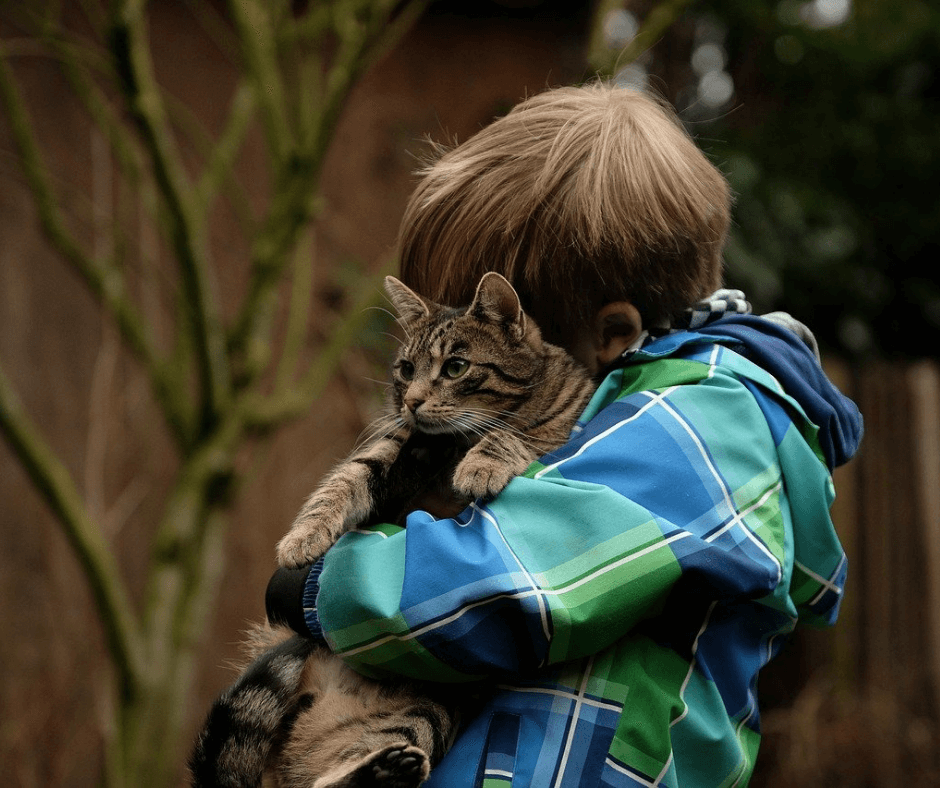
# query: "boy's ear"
{"type": "Point", "coordinates": [616, 327]}
{"type": "Point", "coordinates": [409, 305]}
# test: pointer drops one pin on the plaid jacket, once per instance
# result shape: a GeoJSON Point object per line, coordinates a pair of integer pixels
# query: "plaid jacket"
{"type": "Point", "coordinates": [619, 599]}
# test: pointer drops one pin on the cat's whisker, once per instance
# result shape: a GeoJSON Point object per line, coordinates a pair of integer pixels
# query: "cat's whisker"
{"type": "Point", "coordinates": [490, 418]}
{"type": "Point", "coordinates": [467, 427]}
{"type": "Point", "coordinates": [381, 428]}
{"type": "Point", "coordinates": [388, 312]}
{"type": "Point", "coordinates": [404, 325]}
{"type": "Point", "coordinates": [383, 383]}
{"type": "Point", "coordinates": [397, 338]}
{"type": "Point", "coordinates": [484, 423]}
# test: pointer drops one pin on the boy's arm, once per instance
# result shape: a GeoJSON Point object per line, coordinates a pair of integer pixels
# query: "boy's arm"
{"type": "Point", "coordinates": [662, 486]}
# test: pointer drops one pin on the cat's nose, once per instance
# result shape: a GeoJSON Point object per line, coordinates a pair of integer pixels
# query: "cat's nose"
{"type": "Point", "coordinates": [416, 395]}
{"type": "Point", "coordinates": [413, 402]}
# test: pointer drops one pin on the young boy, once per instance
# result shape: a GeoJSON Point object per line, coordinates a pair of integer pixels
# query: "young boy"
{"type": "Point", "coordinates": [619, 599]}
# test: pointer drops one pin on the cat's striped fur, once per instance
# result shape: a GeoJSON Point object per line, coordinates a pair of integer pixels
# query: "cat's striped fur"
{"type": "Point", "coordinates": [476, 396]}
{"type": "Point", "coordinates": [298, 714]}
{"type": "Point", "coordinates": [249, 718]}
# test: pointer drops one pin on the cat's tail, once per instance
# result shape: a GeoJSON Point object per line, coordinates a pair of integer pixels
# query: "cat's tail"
{"type": "Point", "coordinates": [249, 718]}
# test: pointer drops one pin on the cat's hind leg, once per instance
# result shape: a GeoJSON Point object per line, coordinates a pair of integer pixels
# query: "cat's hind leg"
{"type": "Point", "coordinates": [399, 765]}
{"type": "Point", "coordinates": [359, 733]}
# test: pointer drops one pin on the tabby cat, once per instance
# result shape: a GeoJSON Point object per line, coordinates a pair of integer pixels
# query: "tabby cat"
{"type": "Point", "coordinates": [476, 396]}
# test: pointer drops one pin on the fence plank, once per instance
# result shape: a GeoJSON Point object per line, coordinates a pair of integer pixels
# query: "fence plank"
{"type": "Point", "coordinates": [847, 636]}
{"type": "Point", "coordinates": [872, 583]}
{"type": "Point", "coordinates": [924, 383]}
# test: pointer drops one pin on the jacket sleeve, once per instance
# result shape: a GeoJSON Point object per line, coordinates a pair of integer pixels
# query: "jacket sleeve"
{"type": "Point", "coordinates": [675, 490]}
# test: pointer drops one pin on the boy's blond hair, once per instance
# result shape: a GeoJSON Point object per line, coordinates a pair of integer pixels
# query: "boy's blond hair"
{"type": "Point", "coordinates": [580, 196]}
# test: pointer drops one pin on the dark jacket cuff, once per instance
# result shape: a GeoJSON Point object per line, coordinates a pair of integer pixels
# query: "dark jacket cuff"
{"type": "Point", "coordinates": [291, 597]}
{"type": "Point", "coordinates": [311, 589]}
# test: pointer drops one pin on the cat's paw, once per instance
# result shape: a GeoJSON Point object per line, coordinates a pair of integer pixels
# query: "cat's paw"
{"type": "Point", "coordinates": [301, 546]}
{"type": "Point", "coordinates": [325, 517]}
{"type": "Point", "coordinates": [396, 766]}
{"type": "Point", "coordinates": [481, 477]}
{"type": "Point", "coordinates": [399, 766]}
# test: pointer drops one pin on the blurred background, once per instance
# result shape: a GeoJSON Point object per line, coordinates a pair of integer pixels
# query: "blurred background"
{"type": "Point", "coordinates": [171, 171]}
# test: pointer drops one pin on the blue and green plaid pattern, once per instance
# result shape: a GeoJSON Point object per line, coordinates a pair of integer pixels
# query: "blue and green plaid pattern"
{"type": "Point", "coordinates": [617, 602]}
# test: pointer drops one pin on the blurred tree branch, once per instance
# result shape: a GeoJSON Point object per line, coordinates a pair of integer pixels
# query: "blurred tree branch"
{"type": "Point", "coordinates": [298, 69]}
{"type": "Point", "coordinates": [127, 36]}
{"type": "Point", "coordinates": [362, 30]}
{"type": "Point", "coordinates": [54, 483]}
{"type": "Point", "coordinates": [103, 277]}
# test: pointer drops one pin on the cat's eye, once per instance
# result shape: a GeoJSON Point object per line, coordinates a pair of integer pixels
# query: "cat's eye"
{"type": "Point", "coordinates": [455, 367]}
{"type": "Point", "coordinates": [406, 369]}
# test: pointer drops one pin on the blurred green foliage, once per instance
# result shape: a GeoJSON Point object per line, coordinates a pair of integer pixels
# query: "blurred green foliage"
{"type": "Point", "coordinates": [832, 144]}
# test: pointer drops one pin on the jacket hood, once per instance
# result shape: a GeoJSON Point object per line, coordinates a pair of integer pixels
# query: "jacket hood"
{"type": "Point", "coordinates": [783, 347]}
{"type": "Point", "coordinates": [793, 362]}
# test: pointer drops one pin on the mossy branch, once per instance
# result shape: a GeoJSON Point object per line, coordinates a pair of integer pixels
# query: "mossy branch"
{"type": "Point", "coordinates": [130, 49]}
{"type": "Point", "coordinates": [55, 485]}
{"type": "Point", "coordinates": [81, 60]}
{"type": "Point", "coordinates": [264, 413]}
{"type": "Point", "coordinates": [298, 312]}
{"type": "Point", "coordinates": [257, 39]}
{"type": "Point", "coordinates": [103, 278]}
{"type": "Point", "coordinates": [227, 146]}
{"type": "Point", "coordinates": [360, 40]}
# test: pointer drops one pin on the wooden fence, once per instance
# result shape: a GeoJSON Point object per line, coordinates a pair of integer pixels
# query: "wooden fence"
{"type": "Point", "coordinates": [859, 705]}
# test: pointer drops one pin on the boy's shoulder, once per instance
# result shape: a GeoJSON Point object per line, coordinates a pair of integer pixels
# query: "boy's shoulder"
{"type": "Point", "coordinates": [681, 358]}
{"type": "Point", "coordinates": [774, 364]}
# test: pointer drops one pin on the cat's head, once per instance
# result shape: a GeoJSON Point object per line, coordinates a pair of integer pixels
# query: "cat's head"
{"type": "Point", "coordinates": [463, 370]}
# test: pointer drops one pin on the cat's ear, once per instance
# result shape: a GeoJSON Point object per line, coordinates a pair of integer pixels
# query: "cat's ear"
{"type": "Point", "coordinates": [409, 305]}
{"type": "Point", "coordinates": [497, 302]}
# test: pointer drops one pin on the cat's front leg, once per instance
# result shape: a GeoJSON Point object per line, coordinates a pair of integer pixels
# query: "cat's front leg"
{"type": "Point", "coordinates": [491, 464]}
{"type": "Point", "coordinates": [344, 500]}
